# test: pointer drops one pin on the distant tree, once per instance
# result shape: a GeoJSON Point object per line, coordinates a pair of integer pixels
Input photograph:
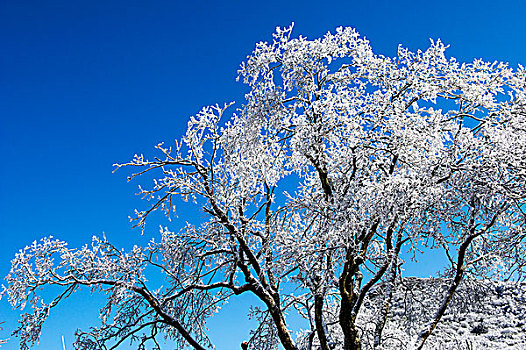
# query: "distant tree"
{"type": "Point", "coordinates": [338, 167]}
{"type": "Point", "coordinates": [2, 341]}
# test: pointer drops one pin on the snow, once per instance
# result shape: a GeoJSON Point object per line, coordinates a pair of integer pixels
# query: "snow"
{"type": "Point", "coordinates": [482, 315]}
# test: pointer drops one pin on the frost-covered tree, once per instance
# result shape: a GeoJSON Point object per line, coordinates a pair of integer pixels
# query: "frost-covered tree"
{"type": "Point", "coordinates": [339, 166]}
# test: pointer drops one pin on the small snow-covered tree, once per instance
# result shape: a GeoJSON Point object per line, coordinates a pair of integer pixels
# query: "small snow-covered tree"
{"type": "Point", "coordinates": [338, 167]}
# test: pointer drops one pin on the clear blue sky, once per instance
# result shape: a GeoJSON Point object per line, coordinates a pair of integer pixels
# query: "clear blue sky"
{"type": "Point", "coordinates": [86, 84]}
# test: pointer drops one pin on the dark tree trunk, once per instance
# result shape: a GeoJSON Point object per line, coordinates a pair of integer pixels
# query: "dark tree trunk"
{"type": "Point", "coordinates": [349, 297]}
{"type": "Point", "coordinates": [348, 325]}
{"type": "Point", "coordinates": [318, 318]}
{"type": "Point", "coordinates": [283, 332]}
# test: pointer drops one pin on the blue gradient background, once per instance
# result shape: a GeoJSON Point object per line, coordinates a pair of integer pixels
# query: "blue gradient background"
{"type": "Point", "coordinates": [86, 84]}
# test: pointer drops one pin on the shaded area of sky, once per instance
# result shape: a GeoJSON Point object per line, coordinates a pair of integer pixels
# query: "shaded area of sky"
{"type": "Point", "coordinates": [86, 84]}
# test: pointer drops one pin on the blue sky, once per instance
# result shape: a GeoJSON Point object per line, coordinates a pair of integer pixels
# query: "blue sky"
{"type": "Point", "coordinates": [86, 84]}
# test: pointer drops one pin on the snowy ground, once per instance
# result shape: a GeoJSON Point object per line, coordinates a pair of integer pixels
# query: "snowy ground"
{"type": "Point", "coordinates": [482, 315]}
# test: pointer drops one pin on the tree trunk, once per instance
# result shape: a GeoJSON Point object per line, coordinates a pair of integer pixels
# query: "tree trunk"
{"type": "Point", "coordinates": [283, 332]}
{"type": "Point", "coordinates": [348, 325]}
{"type": "Point", "coordinates": [349, 298]}
{"type": "Point", "coordinates": [318, 318]}
{"type": "Point", "coordinates": [382, 319]}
